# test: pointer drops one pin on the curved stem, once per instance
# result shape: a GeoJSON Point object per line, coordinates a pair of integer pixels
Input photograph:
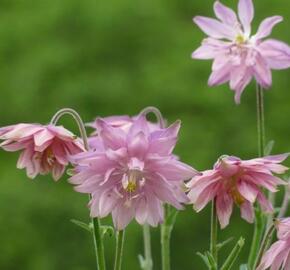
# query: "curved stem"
{"type": "Point", "coordinates": [213, 236]}
{"type": "Point", "coordinates": [148, 262]}
{"type": "Point", "coordinates": [97, 235]}
{"type": "Point", "coordinates": [119, 249]}
{"type": "Point", "coordinates": [157, 113]}
{"type": "Point", "coordinates": [264, 245]}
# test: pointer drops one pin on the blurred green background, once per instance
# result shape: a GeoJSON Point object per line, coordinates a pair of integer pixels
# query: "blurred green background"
{"type": "Point", "coordinates": [116, 57]}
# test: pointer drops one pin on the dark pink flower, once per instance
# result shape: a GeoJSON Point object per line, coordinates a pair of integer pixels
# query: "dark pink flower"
{"type": "Point", "coordinates": [233, 180]}
{"type": "Point", "coordinates": [238, 56]}
{"type": "Point", "coordinates": [132, 173]}
{"type": "Point", "coordinates": [45, 149]}
{"type": "Point", "coordinates": [278, 255]}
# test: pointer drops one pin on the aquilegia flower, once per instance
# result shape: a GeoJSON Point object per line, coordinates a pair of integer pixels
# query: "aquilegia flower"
{"type": "Point", "coordinates": [133, 173]}
{"type": "Point", "coordinates": [238, 56]}
{"type": "Point", "coordinates": [278, 255]}
{"type": "Point", "coordinates": [233, 180]}
{"type": "Point", "coordinates": [45, 149]}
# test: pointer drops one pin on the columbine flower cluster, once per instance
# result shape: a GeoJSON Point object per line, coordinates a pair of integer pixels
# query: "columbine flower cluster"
{"type": "Point", "coordinates": [238, 56]}
{"type": "Point", "coordinates": [235, 181]}
{"type": "Point", "coordinates": [131, 171]}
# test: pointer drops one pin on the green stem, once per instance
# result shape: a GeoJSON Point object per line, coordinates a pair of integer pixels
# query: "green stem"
{"type": "Point", "coordinates": [259, 223]}
{"type": "Point", "coordinates": [119, 250]}
{"type": "Point", "coordinates": [97, 236]}
{"type": "Point", "coordinates": [148, 262]}
{"type": "Point", "coordinates": [264, 245]}
{"type": "Point", "coordinates": [166, 229]}
{"type": "Point", "coordinates": [213, 233]}
{"type": "Point", "coordinates": [98, 244]}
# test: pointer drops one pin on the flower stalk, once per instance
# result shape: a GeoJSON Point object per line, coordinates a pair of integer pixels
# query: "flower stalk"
{"type": "Point", "coordinates": [97, 235]}
{"type": "Point", "coordinates": [213, 235]}
{"type": "Point", "coordinates": [119, 249]}
{"type": "Point", "coordinates": [146, 262]}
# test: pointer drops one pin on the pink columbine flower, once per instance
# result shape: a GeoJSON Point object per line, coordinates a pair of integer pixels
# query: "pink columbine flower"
{"type": "Point", "coordinates": [238, 56]}
{"type": "Point", "coordinates": [133, 173]}
{"type": "Point", "coordinates": [233, 180]}
{"type": "Point", "coordinates": [45, 149]}
{"type": "Point", "coordinates": [278, 255]}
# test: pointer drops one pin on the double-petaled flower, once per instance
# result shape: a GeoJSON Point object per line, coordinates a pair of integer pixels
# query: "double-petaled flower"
{"type": "Point", "coordinates": [132, 172]}
{"type": "Point", "coordinates": [45, 148]}
{"type": "Point", "coordinates": [235, 181]}
{"type": "Point", "coordinates": [278, 255]}
{"type": "Point", "coordinates": [238, 56]}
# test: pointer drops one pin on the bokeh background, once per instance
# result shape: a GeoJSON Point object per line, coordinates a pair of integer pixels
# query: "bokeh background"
{"type": "Point", "coordinates": [116, 57]}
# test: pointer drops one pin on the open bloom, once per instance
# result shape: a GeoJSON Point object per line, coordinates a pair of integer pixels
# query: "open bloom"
{"type": "Point", "coordinates": [233, 180]}
{"type": "Point", "coordinates": [238, 56]}
{"type": "Point", "coordinates": [45, 149]}
{"type": "Point", "coordinates": [132, 173]}
{"type": "Point", "coordinates": [278, 255]}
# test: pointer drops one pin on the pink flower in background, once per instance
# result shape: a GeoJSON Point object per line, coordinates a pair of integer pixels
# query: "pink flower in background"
{"type": "Point", "coordinates": [45, 149]}
{"type": "Point", "coordinates": [238, 56]}
{"type": "Point", "coordinates": [233, 180]}
{"type": "Point", "coordinates": [278, 255]}
{"type": "Point", "coordinates": [133, 173]}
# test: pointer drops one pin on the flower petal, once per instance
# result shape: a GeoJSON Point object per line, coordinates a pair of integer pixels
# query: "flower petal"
{"type": "Point", "coordinates": [224, 208]}
{"type": "Point", "coordinates": [247, 212]}
{"type": "Point", "coordinates": [214, 28]}
{"type": "Point", "coordinates": [246, 14]}
{"type": "Point", "coordinates": [225, 14]}
{"type": "Point", "coordinates": [266, 27]}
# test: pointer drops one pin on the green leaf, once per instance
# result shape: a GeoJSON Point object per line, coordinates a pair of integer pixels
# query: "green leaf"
{"type": "Point", "coordinates": [82, 225]}
{"type": "Point", "coordinates": [222, 244]}
{"type": "Point", "coordinates": [205, 259]}
{"type": "Point", "coordinates": [107, 230]}
{"type": "Point", "coordinates": [269, 147]}
{"type": "Point", "coordinates": [228, 264]}
{"type": "Point", "coordinates": [211, 260]}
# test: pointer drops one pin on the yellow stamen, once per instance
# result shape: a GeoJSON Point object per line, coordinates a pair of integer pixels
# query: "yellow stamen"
{"type": "Point", "coordinates": [240, 39]}
{"type": "Point", "coordinates": [236, 195]}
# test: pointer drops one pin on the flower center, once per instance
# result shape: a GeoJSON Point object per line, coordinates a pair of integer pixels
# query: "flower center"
{"type": "Point", "coordinates": [240, 39]}
{"type": "Point", "coordinates": [50, 157]}
{"type": "Point", "coordinates": [131, 180]}
{"type": "Point", "coordinates": [236, 195]}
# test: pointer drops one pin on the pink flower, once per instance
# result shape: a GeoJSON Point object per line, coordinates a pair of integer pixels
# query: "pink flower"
{"type": "Point", "coordinates": [233, 180]}
{"type": "Point", "coordinates": [45, 148]}
{"type": "Point", "coordinates": [133, 173]}
{"type": "Point", "coordinates": [278, 255]}
{"type": "Point", "coordinates": [238, 56]}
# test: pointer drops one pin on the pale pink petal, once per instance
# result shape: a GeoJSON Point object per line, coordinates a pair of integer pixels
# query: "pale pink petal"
{"type": "Point", "coordinates": [142, 211]}
{"type": "Point", "coordinates": [276, 53]}
{"type": "Point", "coordinates": [265, 28]}
{"type": "Point", "coordinates": [221, 75]}
{"type": "Point", "coordinates": [122, 215]}
{"type": "Point", "coordinates": [214, 28]}
{"type": "Point", "coordinates": [57, 171]}
{"type": "Point", "coordinates": [262, 71]}
{"type": "Point", "coordinates": [225, 14]}
{"type": "Point", "coordinates": [246, 14]}
{"type": "Point", "coordinates": [224, 208]}
{"type": "Point", "coordinates": [41, 138]}
{"type": "Point", "coordinates": [247, 212]}
{"type": "Point", "coordinates": [248, 191]}
{"type": "Point", "coordinates": [266, 206]}
{"type": "Point", "coordinates": [138, 145]}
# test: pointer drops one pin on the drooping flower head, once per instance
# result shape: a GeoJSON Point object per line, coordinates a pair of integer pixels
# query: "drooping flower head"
{"type": "Point", "coordinates": [235, 181]}
{"type": "Point", "coordinates": [132, 173]}
{"type": "Point", "coordinates": [278, 255]}
{"type": "Point", "coordinates": [45, 148]}
{"type": "Point", "coordinates": [237, 56]}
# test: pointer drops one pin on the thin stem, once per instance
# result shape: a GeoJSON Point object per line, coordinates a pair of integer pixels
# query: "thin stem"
{"type": "Point", "coordinates": [97, 236]}
{"type": "Point", "coordinates": [264, 245]}
{"type": "Point", "coordinates": [213, 233]}
{"type": "Point", "coordinates": [119, 249]}
{"type": "Point", "coordinates": [285, 203]}
{"type": "Point", "coordinates": [148, 262]}
{"type": "Point", "coordinates": [166, 229]}
{"type": "Point", "coordinates": [259, 223]}
{"type": "Point", "coordinates": [157, 113]}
